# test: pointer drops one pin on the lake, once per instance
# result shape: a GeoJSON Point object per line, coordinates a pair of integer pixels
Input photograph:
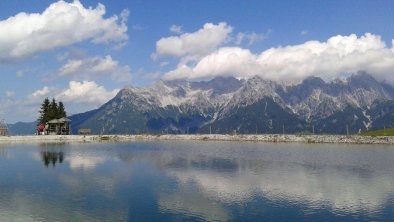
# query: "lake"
{"type": "Point", "coordinates": [196, 181]}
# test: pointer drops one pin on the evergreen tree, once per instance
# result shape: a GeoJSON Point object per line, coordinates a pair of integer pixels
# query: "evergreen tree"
{"type": "Point", "coordinates": [53, 110]}
{"type": "Point", "coordinates": [44, 112]}
{"type": "Point", "coordinates": [61, 112]}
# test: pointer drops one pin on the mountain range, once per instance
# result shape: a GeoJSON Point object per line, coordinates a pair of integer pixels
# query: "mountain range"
{"type": "Point", "coordinates": [255, 105]}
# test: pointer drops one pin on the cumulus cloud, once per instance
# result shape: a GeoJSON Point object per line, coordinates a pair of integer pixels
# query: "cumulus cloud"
{"type": "Point", "coordinates": [330, 59]}
{"type": "Point", "coordinates": [78, 97]}
{"type": "Point", "coordinates": [61, 24]}
{"type": "Point", "coordinates": [225, 61]}
{"type": "Point", "coordinates": [22, 109]}
{"type": "Point", "coordinates": [198, 43]}
{"type": "Point", "coordinates": [94, 66]}
{"type": "Point", "coordinates": [40, 92]}
{"type": "Point", "coordinates": [86, 93]}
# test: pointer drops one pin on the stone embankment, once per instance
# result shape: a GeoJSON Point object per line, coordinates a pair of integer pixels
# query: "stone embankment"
{"type": "Point", "coordinates": [353, 139]}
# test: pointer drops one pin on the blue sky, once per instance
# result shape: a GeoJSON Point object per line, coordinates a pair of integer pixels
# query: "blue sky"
{"type": "Point", "coordinates": [82, 54]}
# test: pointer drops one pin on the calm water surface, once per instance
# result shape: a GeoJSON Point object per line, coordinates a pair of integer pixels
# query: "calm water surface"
{"type": "Point", "coordinates": [196, 181]}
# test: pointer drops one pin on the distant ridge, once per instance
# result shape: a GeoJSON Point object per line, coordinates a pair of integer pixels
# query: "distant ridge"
{"type": "Point", "coordinates": [256, 105]}
{"type": "Point", "coordinates": [22, 128]}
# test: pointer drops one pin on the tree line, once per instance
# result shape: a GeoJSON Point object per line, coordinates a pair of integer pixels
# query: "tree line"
{"type": "Point", "coordinates": [51, 110]}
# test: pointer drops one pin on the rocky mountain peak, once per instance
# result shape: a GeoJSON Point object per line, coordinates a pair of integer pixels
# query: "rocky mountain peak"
{"type": "Point", "coordinates": [313, 81]}
{"type": "Point", "coordinates": [180, 105]}
{"type": "Point", "coordinates": [364, 80]}
{"type": "Point", "coordinates": [219, 85]}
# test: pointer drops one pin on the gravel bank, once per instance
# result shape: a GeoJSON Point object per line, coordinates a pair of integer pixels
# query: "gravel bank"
{"type": "Point", "coordinates": [354, 139]}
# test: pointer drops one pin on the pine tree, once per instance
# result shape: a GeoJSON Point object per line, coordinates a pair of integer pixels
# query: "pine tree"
{"type": "Point", "coordinates": [53, 110]}
{"type": "Point", "coordinates": [61, 112]}
{"type": "Point", "coordinates": [50, 110]}
{"type": "Point", "coordinates": [44, 111]}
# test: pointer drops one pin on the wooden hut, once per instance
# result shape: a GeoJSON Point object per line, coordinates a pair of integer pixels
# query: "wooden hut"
{"type": "Point", "coordinates": [3, 128]}
{"type": "Point", "coordinates": [58, 127]}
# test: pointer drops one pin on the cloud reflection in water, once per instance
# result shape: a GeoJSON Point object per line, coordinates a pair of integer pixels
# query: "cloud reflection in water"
{"type": "Point", "coordinates": [213, 181]}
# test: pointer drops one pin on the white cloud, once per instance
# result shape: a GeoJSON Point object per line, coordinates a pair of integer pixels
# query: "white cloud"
{"type": "Point", "coordinates": [338, 55]}
{"type": "Point", "coordinates": [40, 92]}
{"type": "Point", "coordinates": [225, 61]}
{"type": "Point", "coordinates": [250, 38]}
{"type": "Point", "coordinates": [198, 43]}
{"type": "Point", "coordinates": [77, 97]}
{"type": "Point", "coordinates": [96, 66]}
{"type": "Point", "coordinates": [25, 109]}
{"type": "Point", "coordinates": [87, 93]}
{"type": "Point", "coordinates": [177, 29]}
{"type": "Point", "coordinates": [61, 24]}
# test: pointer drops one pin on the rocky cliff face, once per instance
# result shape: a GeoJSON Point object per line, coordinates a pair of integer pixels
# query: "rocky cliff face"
{"type": "Point", "coordinates": [225, 105]}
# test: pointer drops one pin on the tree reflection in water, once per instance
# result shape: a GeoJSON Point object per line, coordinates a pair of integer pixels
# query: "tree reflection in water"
{"type": "Point", "coordinates": [49, 157]}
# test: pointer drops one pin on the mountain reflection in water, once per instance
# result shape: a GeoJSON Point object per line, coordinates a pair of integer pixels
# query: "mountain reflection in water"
{"type": "Point", "coordinates": [194, 181]}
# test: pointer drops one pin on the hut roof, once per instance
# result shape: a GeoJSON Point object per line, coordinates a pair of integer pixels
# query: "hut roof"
{"type": "Point", "coordinates": [64, 119]}
{"type": "Point", "coordinates": [61, 120]}
{"type": "Point", "coordinates": [53, 121]}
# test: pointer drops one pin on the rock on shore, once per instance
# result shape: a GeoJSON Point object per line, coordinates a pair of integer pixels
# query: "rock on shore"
{"type": "Point", "coordinates": [354, 139]}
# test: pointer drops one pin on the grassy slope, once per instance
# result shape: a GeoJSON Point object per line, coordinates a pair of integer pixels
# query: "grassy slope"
{"type": "Point", "coordinates": [389, 132]}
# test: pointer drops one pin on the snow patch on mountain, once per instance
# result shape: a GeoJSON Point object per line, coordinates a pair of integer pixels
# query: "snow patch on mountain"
{"type": "Point", "coordinates": [310, 99]}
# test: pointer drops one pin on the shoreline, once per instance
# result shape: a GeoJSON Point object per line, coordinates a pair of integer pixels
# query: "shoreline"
{"type": "Point", "coordinates": [279, 138]}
